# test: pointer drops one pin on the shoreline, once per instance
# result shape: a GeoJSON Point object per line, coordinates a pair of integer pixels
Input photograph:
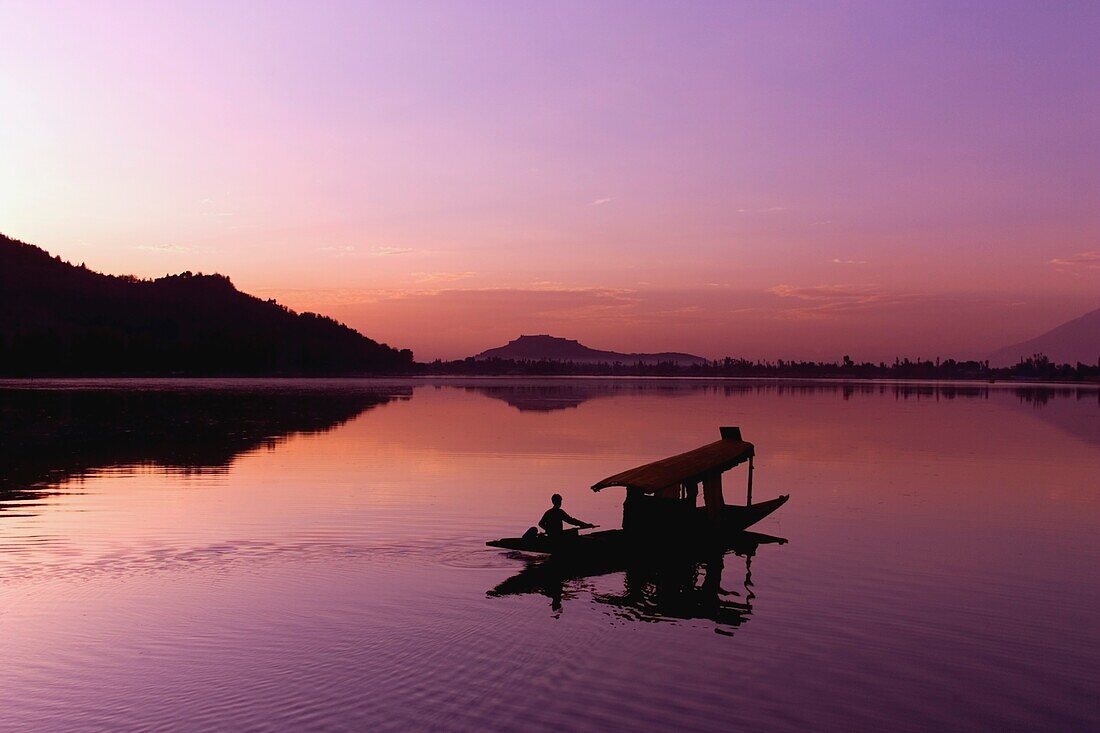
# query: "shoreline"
{"type": "Point", "coordinates": [406, 380]}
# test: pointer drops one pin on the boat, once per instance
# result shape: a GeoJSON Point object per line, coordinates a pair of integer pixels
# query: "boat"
{"type": "Point", "coordinates": [661, 512]}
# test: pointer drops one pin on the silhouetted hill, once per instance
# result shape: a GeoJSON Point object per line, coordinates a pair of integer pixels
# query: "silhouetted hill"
{"type": "Point", "coordinates": [60, 319]}
{"type": "Point", "coordinates": [1076, 341]}
{"type": "Point", "coordinates": [552, 348]}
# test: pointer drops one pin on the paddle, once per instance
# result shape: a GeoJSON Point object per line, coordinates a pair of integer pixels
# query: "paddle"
{"type": "Point", "coordinates": [577, 530]}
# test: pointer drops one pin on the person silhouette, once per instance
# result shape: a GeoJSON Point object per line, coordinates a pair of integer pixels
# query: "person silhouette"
{"type": "Point", "coordinates": [553, 518]}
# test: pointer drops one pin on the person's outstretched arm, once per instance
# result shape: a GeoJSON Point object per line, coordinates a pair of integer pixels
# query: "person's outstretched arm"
{"type": "Point", "coordinates": [575, 522]}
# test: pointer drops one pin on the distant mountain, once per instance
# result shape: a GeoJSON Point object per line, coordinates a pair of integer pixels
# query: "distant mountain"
{"type": "Point", "coordinates": [1076, 341]}
{"type": "Point", "coordinates": [60, 319]}
{"type": "Point", "coordinates": [552, 348]}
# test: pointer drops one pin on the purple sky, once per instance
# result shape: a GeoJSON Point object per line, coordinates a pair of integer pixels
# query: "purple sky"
{"type": "Point", "coordinates": [756, 179]}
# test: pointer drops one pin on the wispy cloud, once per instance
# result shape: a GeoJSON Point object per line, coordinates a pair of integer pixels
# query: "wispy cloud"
{"type": "Point", "coordinates": [441, 277]}
{"type": "Point", "coordinates": [1079, 261]}
{"type": "Point", "coordinates": [347, 250]}
{"type": "Point", "coordinates": [838, 261]}
{"type": "Point", "coordinates": [539, 292]}
{"type": "Point", "coordinates": [766, 210]}
{"type": "Point", "coordinates": [601, 202]}
{"type": "Point", "coordinates": [819, 301]}
{"type": "Point", "coordinates": [824, 292]}
{"type": "Point", "coordinates": [338, 251]}
{"type": "Point", "coordinates": [168, 248]}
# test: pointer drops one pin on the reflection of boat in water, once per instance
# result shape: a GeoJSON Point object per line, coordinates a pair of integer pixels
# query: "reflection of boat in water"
{"type": "Point", "coordinates": [661, 507]}
{"type": "Point", "coordinates": [655, 586]}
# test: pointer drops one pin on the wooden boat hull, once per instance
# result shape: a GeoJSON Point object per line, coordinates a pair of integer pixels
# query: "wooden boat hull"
{"type": "Point", "coordinates": [739, 517]}
{"type": "Point", "coordinates": [700, 536]}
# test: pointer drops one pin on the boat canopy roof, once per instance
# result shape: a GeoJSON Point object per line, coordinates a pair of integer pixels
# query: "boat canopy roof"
{"type": "Point", "coordinates": [717, 457]}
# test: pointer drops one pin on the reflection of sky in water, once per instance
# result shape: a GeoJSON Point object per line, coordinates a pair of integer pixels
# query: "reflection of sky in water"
{"type": "Point", "coordinates": [312, 553]}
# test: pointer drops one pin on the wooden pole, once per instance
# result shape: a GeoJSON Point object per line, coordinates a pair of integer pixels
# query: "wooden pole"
{"type": "Point", "coordinates": [712, 496]}
{"type": "Point", "coordinates": [749, 501]}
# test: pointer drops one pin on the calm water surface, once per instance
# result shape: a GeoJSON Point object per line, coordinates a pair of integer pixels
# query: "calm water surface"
{"type": "Point", "coordinates": [310, 554]}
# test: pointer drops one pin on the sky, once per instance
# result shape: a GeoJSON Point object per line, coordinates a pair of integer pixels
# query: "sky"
{"type": "Point", "coordinates": [755, 179]}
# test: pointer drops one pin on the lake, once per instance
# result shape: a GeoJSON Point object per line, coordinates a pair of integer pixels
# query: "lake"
{"type": "Point", "coordinates": [303, 554]}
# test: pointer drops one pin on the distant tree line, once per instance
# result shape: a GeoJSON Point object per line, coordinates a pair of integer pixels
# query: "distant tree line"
{"type": "Point", "coordinates": [1035, 368]}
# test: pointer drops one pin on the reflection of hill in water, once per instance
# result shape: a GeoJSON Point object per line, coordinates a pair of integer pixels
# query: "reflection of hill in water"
{"type": "Point", "coordinates": [48, 436]}
{"type": "Point", "coordinates": [537, 397]}
{"type": "Point", "coordinates": [1069, 408]}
